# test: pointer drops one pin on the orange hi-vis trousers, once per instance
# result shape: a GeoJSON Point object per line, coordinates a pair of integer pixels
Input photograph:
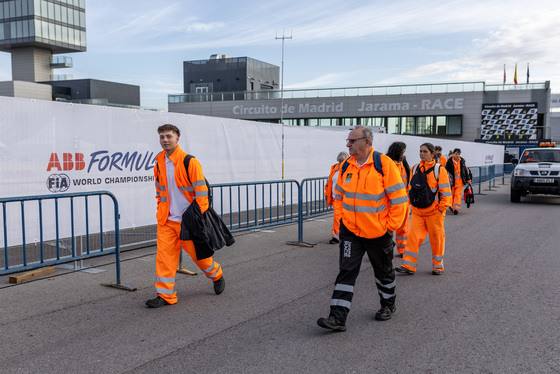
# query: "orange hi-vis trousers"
{"type": "Point", "coordinates": [457, 193]}
{"type": "Point", "coordinates": [420, 226]}
{"type": "Point", "coordinates": [401, 235]}
{"type": "Point", "coordinates": [167, 260]}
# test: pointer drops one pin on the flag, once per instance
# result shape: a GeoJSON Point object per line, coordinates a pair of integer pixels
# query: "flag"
{"type": "Point", "coordinates": [527, 73]}
{"type": "Point", "coordinates": [515, 75]}
{"type": "Point", "coordinates": [504, 73]}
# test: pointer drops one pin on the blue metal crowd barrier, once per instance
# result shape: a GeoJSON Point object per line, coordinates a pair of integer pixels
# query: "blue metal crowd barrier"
{"type": "Point", "coordinates": [256, 205]}
{"type": "Point", "coordinates": [23, 255]}
{"type": "Point", "coordinates": [311, 203]}
{"type": "Point", "coordinates": [239, 215]}
{"type": "Point", "coordinates": [488, 174]}
{"type": "Point", "coordinates": [242, 206]}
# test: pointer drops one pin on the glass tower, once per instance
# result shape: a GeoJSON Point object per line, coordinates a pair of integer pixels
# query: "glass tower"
{"type": "Point", "coordinates": [33, 30]}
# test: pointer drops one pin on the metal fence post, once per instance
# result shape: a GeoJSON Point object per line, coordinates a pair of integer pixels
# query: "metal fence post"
{"type": "Point", "coordinates": [117, 248]}
{"type": "Point", "coordinates": [300, 241]}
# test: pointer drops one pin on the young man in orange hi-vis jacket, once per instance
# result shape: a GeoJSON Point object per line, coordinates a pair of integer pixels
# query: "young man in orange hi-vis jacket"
{"type": "Point", "coordinates": [329, 195]}
{"type": "Point", "coordinates": [373, 205]}
{"type": "Point", "coordinates": [457, 166]}
{"type": "Point", "coordinates": [428, 219]}
{"type": "Point", "coordinates": [175, 191]}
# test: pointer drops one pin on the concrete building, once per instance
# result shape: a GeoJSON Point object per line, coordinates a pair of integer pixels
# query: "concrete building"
{"type": "Point", "coordinates": [515, 115]}
{"type": "Point", "coordinates": [33, 32]}
{"type": "Point", "coordinates": [95, 91]}
{"type": "Point", "coordinates": [462, 111]}
{"type": "Point", "coordinates": [222, 73]}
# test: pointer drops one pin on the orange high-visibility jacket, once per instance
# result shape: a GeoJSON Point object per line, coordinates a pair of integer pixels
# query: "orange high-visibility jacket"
{"type": "Point", "coordinates": [328, 185]}
{"type": "Point", "coordinates": [402, 171]}
{"type": "Point", "coordinates": [443, 197]}
{"type": "Point", "coordinates": [194, 189]}
{"type": "Point", "coordinates": [371, 203]}
{"type": "Point", "coordinates": [443, 160]}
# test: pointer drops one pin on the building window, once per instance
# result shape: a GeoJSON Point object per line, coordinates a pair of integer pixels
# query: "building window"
{"type": "Point", "coordinates": [454, 125]}
{"type": "Point", "coordinates": [408, 125]}
{"type": "Point", "coordinates": [425, 125]}
{"type": "Point", "coordinates": [393, 125]}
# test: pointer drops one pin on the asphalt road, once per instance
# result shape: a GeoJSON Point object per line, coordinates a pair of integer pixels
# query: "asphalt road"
{"type": "Point", "coordinates": [495, 310]}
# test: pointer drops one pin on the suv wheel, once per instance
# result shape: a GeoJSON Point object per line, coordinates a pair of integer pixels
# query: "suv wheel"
{"type": "Point", "coordinates": [515, 196]}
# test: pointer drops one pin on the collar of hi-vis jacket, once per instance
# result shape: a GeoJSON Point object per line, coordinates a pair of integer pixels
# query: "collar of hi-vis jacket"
{"type": "Point", "coordinates": [423, 166]}
{"type": "Point", "coordinates": [352, 160]}
{"type": "Point", "coordinates": [176, 157]}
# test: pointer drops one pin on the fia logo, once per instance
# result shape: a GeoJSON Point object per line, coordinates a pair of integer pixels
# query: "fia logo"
{"type": "Point", "coordinates": [58, 182]}
{"type": "Point", "coordinates": [348, 178]}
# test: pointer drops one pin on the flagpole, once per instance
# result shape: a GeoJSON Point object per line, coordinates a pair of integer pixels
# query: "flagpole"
{"type": "Point", "coordinates": [504, 75]}
{"type": "Point", "coordinates": [527, 73]}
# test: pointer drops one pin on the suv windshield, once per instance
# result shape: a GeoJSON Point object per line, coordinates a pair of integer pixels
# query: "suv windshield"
{"type": "Point", "coordinates": [540, 155]}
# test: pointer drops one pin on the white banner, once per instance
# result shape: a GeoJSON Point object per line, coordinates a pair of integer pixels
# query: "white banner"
{"type": "Point", "coordinates": [53, 147]}
{"type": "Point", "coordinates": [555, 100]}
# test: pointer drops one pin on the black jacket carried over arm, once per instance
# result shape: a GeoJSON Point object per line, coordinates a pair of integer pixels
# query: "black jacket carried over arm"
{"type": "Point", "coordinates": [466, 174]}
{"type": "Point", "coordinates": [207, 231]}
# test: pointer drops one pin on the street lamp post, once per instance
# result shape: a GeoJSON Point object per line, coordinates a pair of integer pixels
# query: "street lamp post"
{"type": "Point", "coordinates": [283, 38]}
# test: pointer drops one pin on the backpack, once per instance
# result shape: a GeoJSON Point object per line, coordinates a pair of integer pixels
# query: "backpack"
{"type": "Point", "coordinates": [469, 195]}
{"type": "Point", "coordinates": [420, 193]}
{"type": "Point", "coordinates": [428, 196]}
{"type": "Point", "coordinates": [186, 162]}
{"type": "Point", "coordinates": [376, 163]}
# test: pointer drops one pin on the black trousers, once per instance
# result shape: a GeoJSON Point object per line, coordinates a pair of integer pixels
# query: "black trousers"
{"type": "Point", "coordinates": [352, 250]}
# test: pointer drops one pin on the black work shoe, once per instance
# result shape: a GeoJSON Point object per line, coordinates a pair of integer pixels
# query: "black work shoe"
{"type": "Point", "coordinates": [404, 270]}
{"type": "Point", "coordinates": [455, 212]}
{"type": "Point", "coordinates": [219, 285]}
{"type": "Point", "coordinates": [158, 302]}
{"type": "Point", "coordinates": [385, 313]}
{"type": "Point", "coordinates": [333, 241]}
{"type": "Point", "coordinates": [331, 323]}
{"type": "Point", "coordinates": [437, 272]}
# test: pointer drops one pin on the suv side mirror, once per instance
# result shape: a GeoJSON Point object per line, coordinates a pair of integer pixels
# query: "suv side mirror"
{"type": "Point", "coordinates": [514, 161]}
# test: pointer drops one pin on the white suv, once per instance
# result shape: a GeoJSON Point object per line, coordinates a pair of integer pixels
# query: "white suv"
{"type": "Point", "coordinates": [538, 172]}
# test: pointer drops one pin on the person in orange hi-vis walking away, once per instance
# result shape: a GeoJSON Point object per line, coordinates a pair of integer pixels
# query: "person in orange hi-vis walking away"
{"type": "Point", "coordinates": [396, 153]}
{"type": "Point", "coordinates": [372, 197]}
{"type": "Point", "coordinates": [174, 194]}
{"type": "Point", "coordinates": [457, 166]}
{"type": "Point", "coordinates": [329, 195]}
{"type": "Point", "coordinates": [430, 196]}
{"type": "Point", "coordinates": [441, 159]}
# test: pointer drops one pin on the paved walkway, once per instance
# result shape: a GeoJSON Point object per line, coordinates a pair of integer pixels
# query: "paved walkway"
{"type": "Point", "coordinates": [495, 310]}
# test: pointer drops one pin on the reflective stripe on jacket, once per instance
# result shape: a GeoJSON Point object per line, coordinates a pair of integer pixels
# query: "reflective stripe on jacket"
{"type": "Point", "coordinates": [443, 198]}
{"type": "Point", "coordinates": [194, 189]}
{"type": "Point", "coordinates": [371, 203]}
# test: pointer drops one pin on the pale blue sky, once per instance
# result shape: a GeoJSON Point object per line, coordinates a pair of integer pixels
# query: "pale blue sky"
{"type": "Point", "coordinates": [334, 43]}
